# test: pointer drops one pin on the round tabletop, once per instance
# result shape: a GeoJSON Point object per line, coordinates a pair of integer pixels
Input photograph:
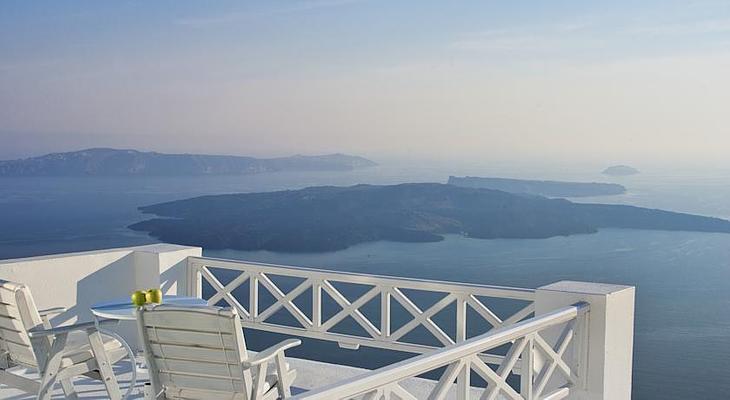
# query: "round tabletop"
{"type": "Point", "coordinates": [124, 310]}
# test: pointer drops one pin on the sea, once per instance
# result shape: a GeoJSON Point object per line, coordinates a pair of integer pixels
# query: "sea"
{"type": "Point", "coordinates": [682, 279]}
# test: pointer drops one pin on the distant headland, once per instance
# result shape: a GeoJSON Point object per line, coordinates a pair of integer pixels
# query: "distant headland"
{"type": "Point", "coordinates": [115, 162]}
{"type": "Point", "coordinates": [620, 170]}
{"type": "Point", "coordinates": [332, 218]}
{"type": "Point", "coordinates": [540, 188]}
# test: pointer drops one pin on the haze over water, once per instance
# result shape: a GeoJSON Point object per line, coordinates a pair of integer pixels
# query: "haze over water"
{"type": "Point", "coordinates": [502, 89]}
{"type": "Point", "coordinates": [682, 278]}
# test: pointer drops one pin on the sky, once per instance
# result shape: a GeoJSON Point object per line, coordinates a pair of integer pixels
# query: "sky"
{"type": "Point", "coordinates": [610, 82]}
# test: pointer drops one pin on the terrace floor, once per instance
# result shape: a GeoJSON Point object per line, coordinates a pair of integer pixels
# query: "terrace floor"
{"type": "Point", "coordinates": [310, 374]}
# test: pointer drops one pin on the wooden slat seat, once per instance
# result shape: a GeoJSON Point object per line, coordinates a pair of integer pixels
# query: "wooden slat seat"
{"type": "Point", "coordinates": [27, 339]}
{"type": "Point", "coordinates": [197, 353]}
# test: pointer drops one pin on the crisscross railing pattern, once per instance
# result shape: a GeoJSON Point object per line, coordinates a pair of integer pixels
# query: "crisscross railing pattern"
{"type": "Point", "coordinates": [452, 313]}
{"type": "Point", "coordinates": [542, 342]}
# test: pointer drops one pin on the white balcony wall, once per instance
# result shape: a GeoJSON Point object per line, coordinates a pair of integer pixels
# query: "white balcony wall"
{"type": "Point", "coordinates": [78, 280]}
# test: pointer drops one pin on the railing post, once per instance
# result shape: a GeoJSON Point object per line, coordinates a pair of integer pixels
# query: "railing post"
{"type": "Point", "coordinates": [602, 353]}
{"type": "Point", "coordinates": [194, 280]}
{"type": "Point", "coordinates": [527, 375]}
{"type": "Point", "coordinates": [316, 304]}
{"type": "Point", "coordinates": [464, 379]}
{"type": "Point", "coordinates": [385, 312]}
{"type": "Point", "coordinates": [253, 299]}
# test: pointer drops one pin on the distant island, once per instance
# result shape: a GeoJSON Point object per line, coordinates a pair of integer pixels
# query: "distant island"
{"type": "Point", "coordinates": [620, 170]}
{"type": "Point", "coordinates": [114, 162]}
{"type": "Point", "coordinates": [540, 188]}
{"type": "Point", "coordinates": [332, 218]}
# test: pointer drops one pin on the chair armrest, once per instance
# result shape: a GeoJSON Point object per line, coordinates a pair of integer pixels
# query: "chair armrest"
{"type": "Point", "coordinates": [52, 311]}
{"type": "Point", "coordinates": [47, 313]}
{"type": "Point", "coordinates": [39, 331]}
{"type": "Point", "coordinates": [271, 352]}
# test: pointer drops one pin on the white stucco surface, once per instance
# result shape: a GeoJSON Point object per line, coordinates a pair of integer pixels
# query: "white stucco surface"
{"type": "Point", "coordinates": [79, 280]}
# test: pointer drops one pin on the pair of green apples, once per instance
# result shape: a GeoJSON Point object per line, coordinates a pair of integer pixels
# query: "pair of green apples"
{"type": "Point", "coordinates": [151, 296]}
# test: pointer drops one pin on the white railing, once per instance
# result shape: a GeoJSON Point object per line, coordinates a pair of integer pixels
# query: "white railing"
{"type": "Point", "coordinates": [598, 355]}
{"type": "Point", "coordinates": [546, 373]}
{"type": "Point", "coordinates": [381, 328]}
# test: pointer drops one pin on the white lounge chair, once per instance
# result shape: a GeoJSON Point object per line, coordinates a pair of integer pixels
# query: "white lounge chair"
{"type": "Point", "coordinates": [199, 353]}
{"type": "Point", "coordinates": [28, 340]}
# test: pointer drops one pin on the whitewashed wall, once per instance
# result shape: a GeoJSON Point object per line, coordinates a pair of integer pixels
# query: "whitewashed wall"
{"type": "Point", "coordinates": [78, 280]}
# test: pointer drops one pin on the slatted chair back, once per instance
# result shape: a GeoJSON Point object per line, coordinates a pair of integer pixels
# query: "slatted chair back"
{"type": "Point", "coordinates": [19, 314]}
{"type": "Point", "coordinates": [195, 352]}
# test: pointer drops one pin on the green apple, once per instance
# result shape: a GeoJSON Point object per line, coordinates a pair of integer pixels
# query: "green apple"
{"type": "Point", "coordinates": [139, 298]}
{"type": "Point", "coordinates": [154, 296]}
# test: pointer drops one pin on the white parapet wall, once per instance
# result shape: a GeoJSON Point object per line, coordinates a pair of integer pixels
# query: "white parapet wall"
{"type": "Point", "coordinates": [78, 280]}
{"type": "Point", "coordinates": [608, 340]}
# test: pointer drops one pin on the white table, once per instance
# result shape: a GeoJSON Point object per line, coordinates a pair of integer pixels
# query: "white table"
{"type": "Point", "coordinates": [124, 310]}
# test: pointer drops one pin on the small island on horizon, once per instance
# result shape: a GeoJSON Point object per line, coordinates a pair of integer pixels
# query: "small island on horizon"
{"type": "Point", "coordinates": [332, 218]}
{"type": "Point", "coordinates": [116, 162]}
{"type": "Point", "coordinates": [620, 170]}
{"type": "Point", "coordinates": [540, 188]}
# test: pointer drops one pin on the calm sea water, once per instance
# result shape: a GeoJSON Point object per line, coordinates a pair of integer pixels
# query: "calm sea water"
{"type": "Point", "coordinates": [682, 344]}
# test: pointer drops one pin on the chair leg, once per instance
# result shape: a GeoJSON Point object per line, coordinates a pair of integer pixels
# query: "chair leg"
{"type": "Point", "coordinates": [68, 389]}
{"type": "Point", "coordinates": [105, 367]}
{"type": "Point", "coordinates": [282, 380]}
{"type": "Point", "coordinates": [258, 383]}
{"type": "Point", "coordinates": [51, 368]}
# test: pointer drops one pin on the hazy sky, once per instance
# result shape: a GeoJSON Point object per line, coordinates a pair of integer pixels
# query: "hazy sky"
{"type": "Point", "coordinates": [555, 80]}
